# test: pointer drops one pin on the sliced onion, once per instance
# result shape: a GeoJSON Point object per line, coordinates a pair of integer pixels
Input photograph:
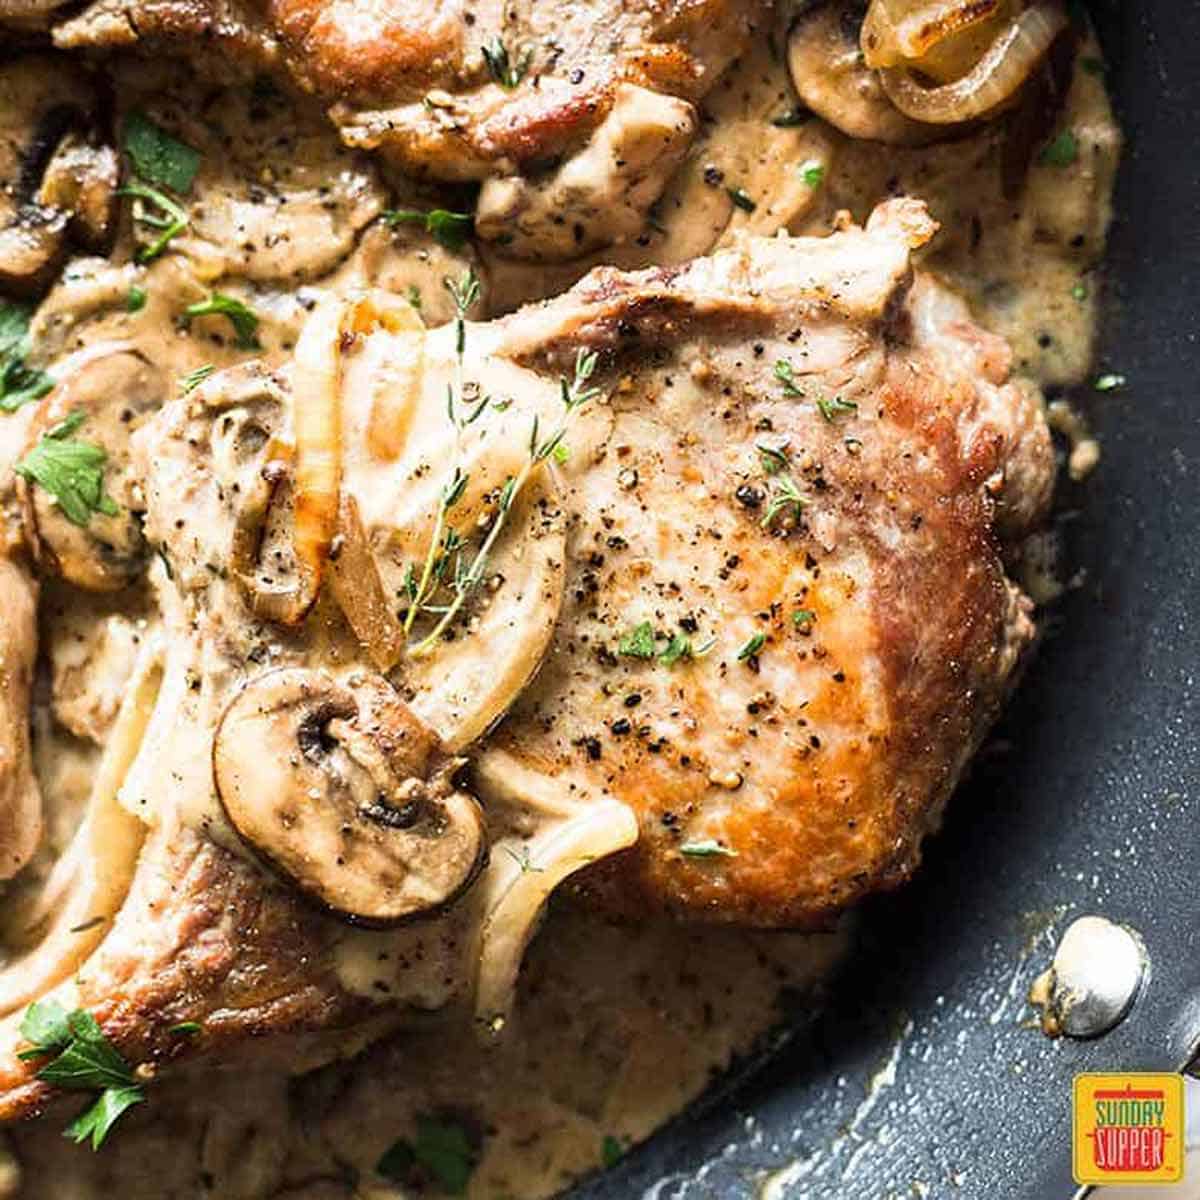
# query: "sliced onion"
{"type": "Point", "coordinates": [354, 579]}
{"type": "Point", "coordinates": [995, 78]}
{"type": "Point", "coordinates": [316, 425]}
{"type": "Point", "coordinates": [519, 882]}
{"type": "Point", "coordinates": [895, 31]}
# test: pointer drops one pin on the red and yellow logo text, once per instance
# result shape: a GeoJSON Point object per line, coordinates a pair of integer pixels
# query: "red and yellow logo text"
{"type": "Point", "coordinates": [1128, 1128]}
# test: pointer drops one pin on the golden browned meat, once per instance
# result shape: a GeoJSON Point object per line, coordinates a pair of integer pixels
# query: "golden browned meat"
{"type": "Point", "coordinates": [739, 638]}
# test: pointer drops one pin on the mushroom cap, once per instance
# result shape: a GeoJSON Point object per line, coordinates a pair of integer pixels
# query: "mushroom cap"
{"type": "Point", "coordinates": [343, 792]}
{"type": "Point", "coordinates": [827, 70]}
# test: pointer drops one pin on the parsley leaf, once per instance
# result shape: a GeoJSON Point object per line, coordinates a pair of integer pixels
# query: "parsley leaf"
{"type": "Point", "coordinates": [803, 617]}
{"type": "Point", "coordinates": [450, 229]}
{"type": "Point", "coordinates": [813, 173]}
{"type": "Point", "coordinates": [165, 215]}
{"type": "Point", "coordinates": [752, 647]}
{"type": "Point", "coordinates": [680, 646]}
{"type": "Point", "coordinates": [157, 157]}
{"type": "Point", "coordinates": [45, 1026]}
{"type": "Point", "coordinates": [86, 1061]}
{"type": "Point", "coordinates": [707, 849]}
{"type": "Point", "coordinates": [96, 1121]}
{"type": "Point", "coordinates": [1109, 383]}
{"type": "Point", "coordinates": [19, 384]}
{"type": "Point", "coordinates": [186, 1028]}
{"type": "Point", "coordinates": [611, 1150]}
{"type": "Point", "coordinates": [638, 642]}
{"type": "Point", "coordinates": [830, 409]}
{"type": "Point", "coordinates": [135, 301]}
{"type": "Point", "coordinates": [243, 320]}
{"type": "Point", "coordinates": [441, 1148]}
{"type": "Point", "coordinates": [72, 472]}
{"type": "Point", "coordinates": [1061, 152]}
{"type": "Point", "coordinates": [506, 71]}
{"type": "Point", "coordinates": [786, 376]}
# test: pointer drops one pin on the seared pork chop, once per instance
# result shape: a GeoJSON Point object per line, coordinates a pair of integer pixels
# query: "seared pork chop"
{"type": "Point", "coordinates": [737, 632]}
{"type": "Point", "coordinates": [574, 115]}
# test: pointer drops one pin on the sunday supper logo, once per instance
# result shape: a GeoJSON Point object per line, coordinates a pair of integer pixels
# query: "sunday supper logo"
{"type": "Point", "coordinates": [1128, 1128]}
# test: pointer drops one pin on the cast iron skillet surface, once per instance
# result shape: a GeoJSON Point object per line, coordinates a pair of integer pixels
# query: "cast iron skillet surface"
{"type": "Point", "coordinates": [921, 1070]}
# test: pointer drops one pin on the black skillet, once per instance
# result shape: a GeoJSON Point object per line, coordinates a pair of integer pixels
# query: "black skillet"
{"type": "Point", "coordinates": [1095, 806]}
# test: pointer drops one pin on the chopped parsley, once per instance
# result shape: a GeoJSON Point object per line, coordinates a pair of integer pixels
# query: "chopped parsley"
{"type": "Point", "coordinates": [741, 198]}
{"type": "Point", "coordinates": [157, 157]}
{"type": "Point", "coordinates": [135, 299]}
{"type": "Point", "coordinates": [680, 646]}
{"type": "Point", "coordinates": [1110, 382]}
{"type": "Point", "coordinates": [84, 1060]}
{"type": "Point", "coordinates": [832, 409]}
{"type": "Point", "coordinates": [449, 229]}
{"type": "Point", "coordinates": [243, 320]}
{"type": "Point", "coordinates": [611, 1150]}
{"type": "Point", "coordinates": [193, 379]}
{"type": "Point", "coordinates": [71, 471]}
{"type": "Point", "coordinates": [440, 1150]}
{"type": "Point", "coordinates": [707, 849]}
{"type": "Point", "coordinates": [1061, 152]}
{"type": "Point", "coordinates": [773, 458]}
{"type": "Point", "coordinates": [786, 376]}
{"type": "Point", "coordinates": [803, 617]}
{"type": "Point", "coordinates": [186, 1028]}
{"type": "Point", "coordinates": [813, 173]}
{"type": "Point", "coordinates": [638, 642]}
{"type": "Point", "coordinates": [19, 384]}
{"type": "Point", "coordinates": [752, 647]}
{"type": "Point", "coordinates": [504, 69]}
{"type": "Point", "coordinates": [1080, 292]}
{"type": "Point", "coordinates": [561, 453]}
{"type": "Point", "coordinates": [414, 296]}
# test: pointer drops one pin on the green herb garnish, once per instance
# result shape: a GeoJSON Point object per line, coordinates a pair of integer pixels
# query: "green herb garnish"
{"type": "Point", "coordinates": [803, 617]}
{"type": "Point", "coordinates": [813, 173]}
{"type": "Point", "coordinates": [505, 70]}
{"type": "Point", "coordinates": [791, 117]}
{"type": "Point", "coordinates": [1061, 152]}
{"type": "Point", "coordinates": [157, 157]}
{"type": "Point", "coordinates": [19, 384]}
{"type": "Point", "coordinates": [85, 1060]}
{"type": "Point", "coordinates": [831, 409]}
{"type": "Point", "coordinates": [741, 199]}
{"type": "Point", "coordinates": [707, 849]}
{"type": "Point", "coordinates": [611, 1150]}
{"type": "Point", "coordinates": [773, 458]}
{"type": "Point", "coordinates": [787, 495]}
{"type": "Point", "coordinates": [193, 379]}
{"type": "Point", "coordinates": [1109, 383]}
{"type": "Point", "coordinates": [680, 646]}
{"type": "Point", "coordinates": [135, 300]}
{"type": "Point", "coordinates": [786, 376]}
{"type": "Point", "coordinates": [156, 210]}
{"type": "Point", "coordinates": [1080, 291]}
{"type": "Point", "coordinates": [72, 472]}
{"type": "Point", "coordinates": [243, 320]}
{"type": "Point", "coordinates": [638, 642]}
{"type": "Point", "coordinates": [752, 647]}
{"type": "Point", "coordinates": [441, 1149]}
{"type": "Point", "coordinates": [450, 229]}
{"type": "Point", "coordinates": [186, 1029]}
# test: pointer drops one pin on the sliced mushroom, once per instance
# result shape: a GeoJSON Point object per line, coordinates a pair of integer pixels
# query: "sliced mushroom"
{"type": "Point", "coordinates": [43, 99]}
{"type": "Point", "coordinates": [116, 389]}
{"type": "Point", "coordinates": [344, 792]}
{"type": "Point", "coordinates": [830, 77]}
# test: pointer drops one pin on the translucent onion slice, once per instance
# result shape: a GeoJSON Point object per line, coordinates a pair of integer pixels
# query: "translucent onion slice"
{"type": "Point", "coordinates": [101, 859]}
{"type": "Point", "coordinates": [468, 684]}
{"type": "Point", "coordinates": [899, 31]}
{"type": "Point", "coordinates": [354, 579]}
{"type": "Point", "coordinates": [316, 427]}
{"type": "Point", "coordinates": [519, 881]}
{"type": "Point", "coordinates": [1005, 66]}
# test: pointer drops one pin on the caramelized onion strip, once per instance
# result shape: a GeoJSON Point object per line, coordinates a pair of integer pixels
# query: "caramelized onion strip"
{"type": "Point", "coordinates": [899, 31]}
{"type": "Point", "coordinates": [995, 78]}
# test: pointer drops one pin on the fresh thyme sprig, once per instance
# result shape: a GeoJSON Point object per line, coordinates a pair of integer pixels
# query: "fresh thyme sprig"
{"type": "Point", "coordinates": [464, 293]}
{"type": "Point", "coordinates": [575, 395]}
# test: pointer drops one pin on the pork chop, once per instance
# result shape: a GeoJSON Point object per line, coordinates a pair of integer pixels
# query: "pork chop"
{"type": "Point", "coordinates": [740, 624]}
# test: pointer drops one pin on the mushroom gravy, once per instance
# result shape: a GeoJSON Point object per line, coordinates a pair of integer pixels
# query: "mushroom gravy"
{"type": "Point", "coordinates": [615, 1029]}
